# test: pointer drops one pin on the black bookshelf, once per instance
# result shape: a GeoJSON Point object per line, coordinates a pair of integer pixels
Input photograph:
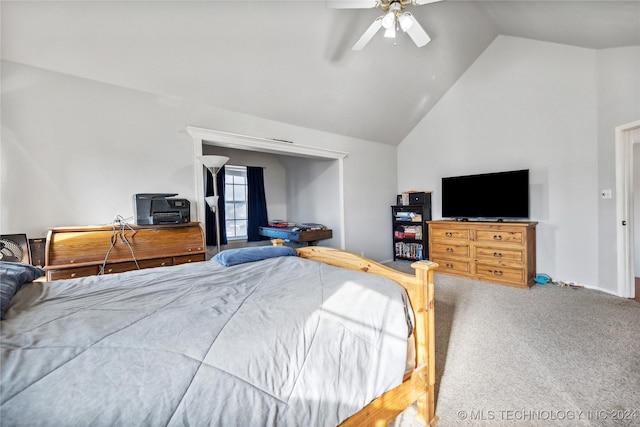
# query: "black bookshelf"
{"type": "Point", "coordinates": [410, 233]}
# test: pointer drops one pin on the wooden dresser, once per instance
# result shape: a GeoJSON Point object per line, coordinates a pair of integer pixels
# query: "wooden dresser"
{"type": "Point", "coordinates": [501, 252]}
{"type": "Point", "coordinates": [82, 251]}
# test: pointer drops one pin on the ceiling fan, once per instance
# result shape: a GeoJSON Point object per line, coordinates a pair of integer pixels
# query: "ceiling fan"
{"type": "Point", "coordinates": [394, 19]}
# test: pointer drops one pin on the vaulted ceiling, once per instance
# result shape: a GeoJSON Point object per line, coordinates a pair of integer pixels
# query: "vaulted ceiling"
{"type": "Point", "coordinates": [291, 61]}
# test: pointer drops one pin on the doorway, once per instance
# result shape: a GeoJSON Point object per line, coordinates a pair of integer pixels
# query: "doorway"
{"type": "Point", "coordinates": [627, 136]}
{"type": "Point", "coordinates": [279, 147]}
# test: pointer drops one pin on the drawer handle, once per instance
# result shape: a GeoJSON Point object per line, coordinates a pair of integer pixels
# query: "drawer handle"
{"type": "Point", "coordinates": [497, 273]}
{"type": "Point", "coordinates": [163, 264]}
{"type": "Point", "coordinates": [497, 237]}
{"type": "Point", "coordinates": [73, 275]}
{"type": "Point", "coordinates": [448, 234]}
{"type": "Point", "coordinates": [449, 265]}
{"type": "Point", "coordinates": [449, 249]}
{"type": "Point", "coordinates": [497, 254]}
{"type": "Point", "coordinates": [189, 260]}
{"type": "Point", "coordinates": [110, 270]}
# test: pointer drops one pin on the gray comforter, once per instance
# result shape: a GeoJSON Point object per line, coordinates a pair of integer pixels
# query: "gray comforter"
{"type": "Point", "coordinates": [284, 341]}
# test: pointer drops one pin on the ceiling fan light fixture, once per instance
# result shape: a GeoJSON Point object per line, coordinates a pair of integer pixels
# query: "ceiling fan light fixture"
{"type": "Point", "coordinates": [389, 20]}
{"type": "Point", "coordinates": [390, 32]}
{"type": "Point", "coordinates": [405, 21]}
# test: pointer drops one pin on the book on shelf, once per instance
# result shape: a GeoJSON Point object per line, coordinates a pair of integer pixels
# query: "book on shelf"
{"type": "Point", "coordinates": [412, 251]}
{"type": "Point", "coordinates": [408, 216]}
{"type": "Point", "coordinates": [413, 232]}
{"type": "Point", "coordinates": [408, 232]}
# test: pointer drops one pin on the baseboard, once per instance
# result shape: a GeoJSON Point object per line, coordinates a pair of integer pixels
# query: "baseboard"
{"type": "Point", "coordinates": [606, 291]}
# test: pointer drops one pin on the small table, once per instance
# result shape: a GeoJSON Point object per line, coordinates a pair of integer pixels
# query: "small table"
{"type": "Point", "coordinates": [310, 237]}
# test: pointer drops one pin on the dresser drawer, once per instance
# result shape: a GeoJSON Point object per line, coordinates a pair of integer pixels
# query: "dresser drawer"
{"type": "Point", "coordinates": [72, 273]}
{"type": "Point", "coordinates": [156, 262]}
{"type": "Point", "coordinates": [450, 250]}
{"type": "Point", "coordinates": [119, 267]}
{"type": "Point", "coordinates": [498, 254]}
{"type": "Point", "coordinates": [188, 258]}
{"type": "Point", "coordinates": [438, 234]}
{"type": "Point", "coordinates": [454, 266]}
{"type": "Point", "coordinates": [500, 236]}
{"type": "Point", "coordinates": [505, 274]}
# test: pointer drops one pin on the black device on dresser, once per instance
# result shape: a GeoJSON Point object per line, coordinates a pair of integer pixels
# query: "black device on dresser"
{"type": "Point", "coordinates": [409, 225]}
{"type": "Point", "coordinates": [160, 208]}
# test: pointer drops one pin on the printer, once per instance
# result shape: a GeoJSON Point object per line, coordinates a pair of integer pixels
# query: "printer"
{"type": "Point", "coordinates": [160, 208]}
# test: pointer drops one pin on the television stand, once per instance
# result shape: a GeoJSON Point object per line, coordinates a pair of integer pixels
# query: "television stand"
{"type": "Point", "coordinates": [501, 252]}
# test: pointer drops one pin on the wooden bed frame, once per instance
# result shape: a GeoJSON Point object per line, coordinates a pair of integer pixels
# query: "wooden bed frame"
{"type": "Point", "coordinates": [418, 385]}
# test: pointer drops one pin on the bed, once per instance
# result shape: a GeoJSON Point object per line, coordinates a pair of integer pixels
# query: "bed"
{"type": "Point", "coordinates": [320, 338]}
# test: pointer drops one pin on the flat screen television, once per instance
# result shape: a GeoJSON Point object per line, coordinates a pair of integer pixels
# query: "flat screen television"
{"type": "Point", "coordinates": [496, 196]}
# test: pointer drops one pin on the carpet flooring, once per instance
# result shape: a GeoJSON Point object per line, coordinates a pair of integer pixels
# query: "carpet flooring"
{"type": "Point", "coordinates": [544, 356]}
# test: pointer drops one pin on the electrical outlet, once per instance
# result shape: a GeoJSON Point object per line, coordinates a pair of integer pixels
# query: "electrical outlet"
{"type": "Point", "coordinates": [605, 194]}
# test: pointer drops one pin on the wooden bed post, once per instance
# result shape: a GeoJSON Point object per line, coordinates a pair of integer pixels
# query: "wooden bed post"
{"type": "Point", "coordinates": [425, 337]}
{"type": "Point", "coordinates": [418, 386]}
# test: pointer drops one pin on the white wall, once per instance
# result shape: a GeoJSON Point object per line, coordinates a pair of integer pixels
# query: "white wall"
{"type": "Point", "coordinates": [522, 105]}
{"type": "Point", "coordinates": [369, 190]}
{"type": "Point", "coordinates": [75, 151]}
{"type": "Point", "coordinates": [618, 88]}
{"type": "Point", "coordinates": [321, 180]}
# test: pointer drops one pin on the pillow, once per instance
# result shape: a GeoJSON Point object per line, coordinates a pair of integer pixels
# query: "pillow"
{"type": "Point", "coordinates": [231, 257]}
{"type": "Point", "coordinates": [12, 276]}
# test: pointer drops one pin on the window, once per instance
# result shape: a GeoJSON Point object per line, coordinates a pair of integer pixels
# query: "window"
{"type": "Point", "coordinates": [235, 202]}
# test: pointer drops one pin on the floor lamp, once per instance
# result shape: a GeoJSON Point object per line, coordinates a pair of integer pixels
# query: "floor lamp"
{"type": "Point", "coordinates": [213, 164]}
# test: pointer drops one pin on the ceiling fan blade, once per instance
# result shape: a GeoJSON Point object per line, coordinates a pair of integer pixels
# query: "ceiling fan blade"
{"type": "Point", "coordinates": [368, 35]}
{"type": "Point", "coordinates": [352, 4]}
{"type": "Point", "coordinates": [416, 32]}
{"type": "Point", "coordinates": [421, 2]}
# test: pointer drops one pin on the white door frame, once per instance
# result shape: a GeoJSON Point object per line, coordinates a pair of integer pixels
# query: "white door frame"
{"type": "Point", "coordinates": [624, 209]}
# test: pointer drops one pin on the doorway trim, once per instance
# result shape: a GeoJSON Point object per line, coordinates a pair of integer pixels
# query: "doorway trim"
{"type": "Point", "coordinates": [251, 143]}
{"type": "Point", "coordinates": [624, 208]}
